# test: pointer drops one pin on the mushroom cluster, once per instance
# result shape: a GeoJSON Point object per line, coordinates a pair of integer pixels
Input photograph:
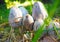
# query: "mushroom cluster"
{"type": "Point", "coordinates": [19, 16]}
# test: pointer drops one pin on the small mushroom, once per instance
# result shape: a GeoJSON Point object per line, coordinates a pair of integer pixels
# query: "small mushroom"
{"type": "Point", "coordinates": [28, 22]}
{"type": "Point", "coordinates": [38, 8]}
{"type": "Point", "coordinates": [15, 19]}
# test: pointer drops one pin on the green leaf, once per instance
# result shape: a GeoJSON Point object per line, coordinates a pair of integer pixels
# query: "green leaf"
{"type": "Point", "coordinates": [52, 8]}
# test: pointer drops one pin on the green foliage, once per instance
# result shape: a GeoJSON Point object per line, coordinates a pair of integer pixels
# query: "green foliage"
{"type": "Point", "coordinates": [3, 14]}
{"type": "Point", "coordinates": [29, 8]}
{"type": "Point", "coordinates": [52, 8]}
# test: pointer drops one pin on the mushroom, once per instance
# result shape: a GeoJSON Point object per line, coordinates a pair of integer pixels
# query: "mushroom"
{"type": "Point", "coordinates": [28, 22]}
{"type": "Point", "coordinates": [38, 8]}
{"type": "Point", "coordinates": [15, 19]}
{"type": "Point", "coordinates": [16, 16]}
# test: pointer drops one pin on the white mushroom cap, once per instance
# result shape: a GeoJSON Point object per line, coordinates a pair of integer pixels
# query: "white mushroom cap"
{"type": "Point", "coordinates": [15, 16]}
{"type": "Point", "coordinates": [24, 11]}
{"type": "Point", "coordinates": [28, 21]}
{"type": "Point", "coordinates": [38, 8]}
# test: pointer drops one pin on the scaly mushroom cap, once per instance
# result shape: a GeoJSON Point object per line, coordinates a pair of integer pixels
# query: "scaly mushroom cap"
{"type": "Point", "coordinates": [28, 21]}
{"type": "Point", "coordinates": [38, 8]}
{"type": "Point", "coordinates": [15, 17]}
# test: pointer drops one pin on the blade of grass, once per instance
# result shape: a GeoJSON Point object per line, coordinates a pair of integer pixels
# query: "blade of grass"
{"type": "Point", "coordinates": [53, 8]}
{"type": "Point", "coordinates": [38, 33]}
